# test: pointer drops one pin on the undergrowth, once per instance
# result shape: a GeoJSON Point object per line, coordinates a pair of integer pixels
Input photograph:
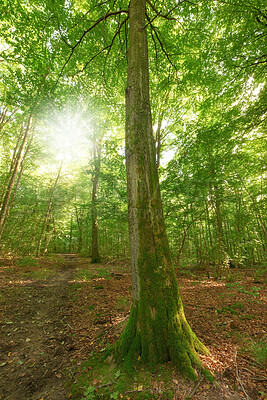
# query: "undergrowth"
{"type": "Point", "coordinates": [100, 379]}
{"type": "Point", "coordinates": [257, 350]}
{"type": "Point", "coordinates": [27, 262]}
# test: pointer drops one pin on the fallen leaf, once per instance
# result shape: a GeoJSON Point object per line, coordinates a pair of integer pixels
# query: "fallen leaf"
{"type": "Point", "coordinates": [3, 364]}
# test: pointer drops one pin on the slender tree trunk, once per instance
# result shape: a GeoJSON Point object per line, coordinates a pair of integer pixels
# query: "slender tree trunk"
{"type": "Point", "coordinates": [157, 330]}
{"type": "Point", "coordinates": [95, 180]}
{"type": "Point", "coordinates": [48, 213]}
{"type": "Point", "coordinates": [70, 241]}
{"type": "Point", "coordinates": [15, 188]}
{"type": "Point", "coordinates": [16, 165]}
{"type": "Point", "coordinates": [255, 206]}
{"type": "Point", "coordinates": [158, 135]}
{"type": "Point", "coordinates": [79, 219]}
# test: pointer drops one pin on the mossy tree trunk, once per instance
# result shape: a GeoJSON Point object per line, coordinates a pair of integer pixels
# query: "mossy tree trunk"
{"type": "Point", "coordinates": [157, 330]}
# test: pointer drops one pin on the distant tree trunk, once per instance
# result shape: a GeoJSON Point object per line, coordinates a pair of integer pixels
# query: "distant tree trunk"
{"type": "Point", "coordinates": [5, 116]}
{"type": "Point", "coordinates": [158, 134]}
{"type": "Point", "coordinates": [95, 180]}
{"type": "Point", "coordinates": [157, 330]}
{"type": "Point", "coordinates": [79, 219]}
{"type": "Point", "coordinates": [16, 166]}
{"type": "Point", "coordinates": [70, 241]}
{"type": "Point", "coordinates": [48, 213]}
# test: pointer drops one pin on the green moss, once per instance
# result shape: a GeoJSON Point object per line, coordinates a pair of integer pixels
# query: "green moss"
{"type": "Point", "coordinates": [106, 379]}
{"type": "Point", "coordinates": [157, 330]}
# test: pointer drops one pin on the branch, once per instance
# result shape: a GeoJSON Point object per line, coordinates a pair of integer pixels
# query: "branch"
{"type": "Point", "coordinates": [160, 14]}
{"type": "Point", "coordinates": [155, 43]}
{"type": "Point", "coordinates": [117, 33]}
{"type": "Point", "coordinates": [161, 44]}
{"type": "Point", "coordinates": [195, 388]}
{"type": "Point", "coordinates": [107, 15]}
{"type": "Point", "coordinates": [239, 380]}
{"type": "Point", "coordinates": [104, 48]}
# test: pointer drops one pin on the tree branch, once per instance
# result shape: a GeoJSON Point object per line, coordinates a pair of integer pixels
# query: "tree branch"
{"type": "Point", "coordinates": [160, 14]}
{"type": "Point", "coordinates": [161, 44]}
{"type": "Point", "coordinates": [107, 15]}
{"type": "Point", "coordinates": [108, 47]}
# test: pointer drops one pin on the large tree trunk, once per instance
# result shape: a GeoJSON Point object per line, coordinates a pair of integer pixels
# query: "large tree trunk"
{"type": "Point", "coordinates": [157, 330]}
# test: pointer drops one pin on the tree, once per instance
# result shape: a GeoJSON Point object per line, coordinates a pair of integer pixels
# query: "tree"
{"type": "Point", "coordinates": [157, 330]}
{"type": "Point", "coordinates": [48, 212]}
{"type": "Point", "coordinates": [96, 142]}
{"type": "Point", "coordinates": [15, 173]}
{"type": "Point", "coordinates": [212, 55]}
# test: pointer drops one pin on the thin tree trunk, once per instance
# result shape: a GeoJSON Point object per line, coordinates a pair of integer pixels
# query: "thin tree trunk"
{"type": "Point", "coordinates": [17, 160]}
{"type": "Point", "coordinates": [70, 241]}
{"type": "Point", "coordinates": [158, 136]}
{"type": "Point", "coordinates": [13, 195]}
{"type": "Point", "coordinates": [256, 209]}
{"type": "Point", "coordinates": [48, 212]}
{"type": "Point", "coordinates": [95, 180]}
{"type": "Point", "coordinates": [157, 330]}
{"type": "Point", "coordinates": [79, 219]}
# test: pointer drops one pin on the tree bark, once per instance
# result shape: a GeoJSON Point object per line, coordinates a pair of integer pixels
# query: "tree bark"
{"type": "Point", "coordinates": [157, 330]}
{"type": "Point", "coordinates": [16, 164]}
{"type": "Point", "coordinates": [48, 212]}
{"type": "Point", "coordinates": [95, 181]}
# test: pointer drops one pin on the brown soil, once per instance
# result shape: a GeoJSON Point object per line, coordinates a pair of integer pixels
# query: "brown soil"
{"type": "Point", "coordinates": [50, 326]}
{"type": "Point", "coordinates": [35, 349]}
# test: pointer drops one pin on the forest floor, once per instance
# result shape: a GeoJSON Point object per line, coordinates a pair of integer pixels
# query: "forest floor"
{"type": "Point", "coordinates": [58, 313]}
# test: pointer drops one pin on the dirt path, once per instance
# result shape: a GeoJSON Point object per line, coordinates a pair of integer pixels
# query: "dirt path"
{"type": "Point", "coordinates": [54, 315]}
{"type": "Point", "coordinates": [35, 346]}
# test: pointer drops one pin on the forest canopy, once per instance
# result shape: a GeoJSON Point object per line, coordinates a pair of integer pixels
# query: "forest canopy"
{"type": "Point", "coordinates": [63, 67]}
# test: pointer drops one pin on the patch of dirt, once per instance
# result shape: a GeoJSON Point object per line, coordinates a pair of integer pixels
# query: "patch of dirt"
{"type": "Point", "coordinates": [35, 347]}
{"type": "Point", "coordinates": [50, 326]}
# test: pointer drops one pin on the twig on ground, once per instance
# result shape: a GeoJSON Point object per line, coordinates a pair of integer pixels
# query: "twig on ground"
{"type": "Point", "coordinates": [110, 262]}
{"type": "Point", "coordinates": [195, 388]}
{"type": "Point", "coordinates": [104, 385]}
{"type": "Point", "coordinates": [248, 358]}
{"type": "Point", "coordinates": [137, 390]}
{"type": "Point", "coordinates": [264, 378]}
{"type": "Point", "coordinates": [239, 380]}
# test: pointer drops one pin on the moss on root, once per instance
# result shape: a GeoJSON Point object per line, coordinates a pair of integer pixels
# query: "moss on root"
{"type": "Point", "coordinates": [177, 344]}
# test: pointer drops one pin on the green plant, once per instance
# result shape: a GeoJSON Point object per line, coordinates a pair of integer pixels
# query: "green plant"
{"type": "Point", "coordinates": [39, 274]}
{"type": "Point", "coordinates": [232, 276]}
{"type": "Point", "coordinates": [260, 272]}
{"type": "Point", "coordinates": [122, 303]}
{"type": "Point", "coordinates": [254, 290]}
{"type": "Point", "coordinates": [99, 287]}
{"type": "Point", "coordinates": [91, 307]}
{"type": "Point", "coordinates": [257, 349]}
{"type": "Point", "coordinates": [102, 272]}
{"type": "Point", "coordinates": [26, 262]}
{"type": "Point", "coordinates": [89, 393]}
{"type": "Point", "coordinates": [84, 274]}
{"type": "Point", "coordinates": [234, 308]}
{"type": "Point", "coordinates": [87, 274]}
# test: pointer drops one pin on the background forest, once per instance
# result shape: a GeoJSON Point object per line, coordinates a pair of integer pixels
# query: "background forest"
{"type": "Point", "coordinates": [62, 165]}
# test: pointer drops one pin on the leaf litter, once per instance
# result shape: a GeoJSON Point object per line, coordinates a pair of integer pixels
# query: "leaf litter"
{"type": "Point", "coordinates": [50, 326]}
